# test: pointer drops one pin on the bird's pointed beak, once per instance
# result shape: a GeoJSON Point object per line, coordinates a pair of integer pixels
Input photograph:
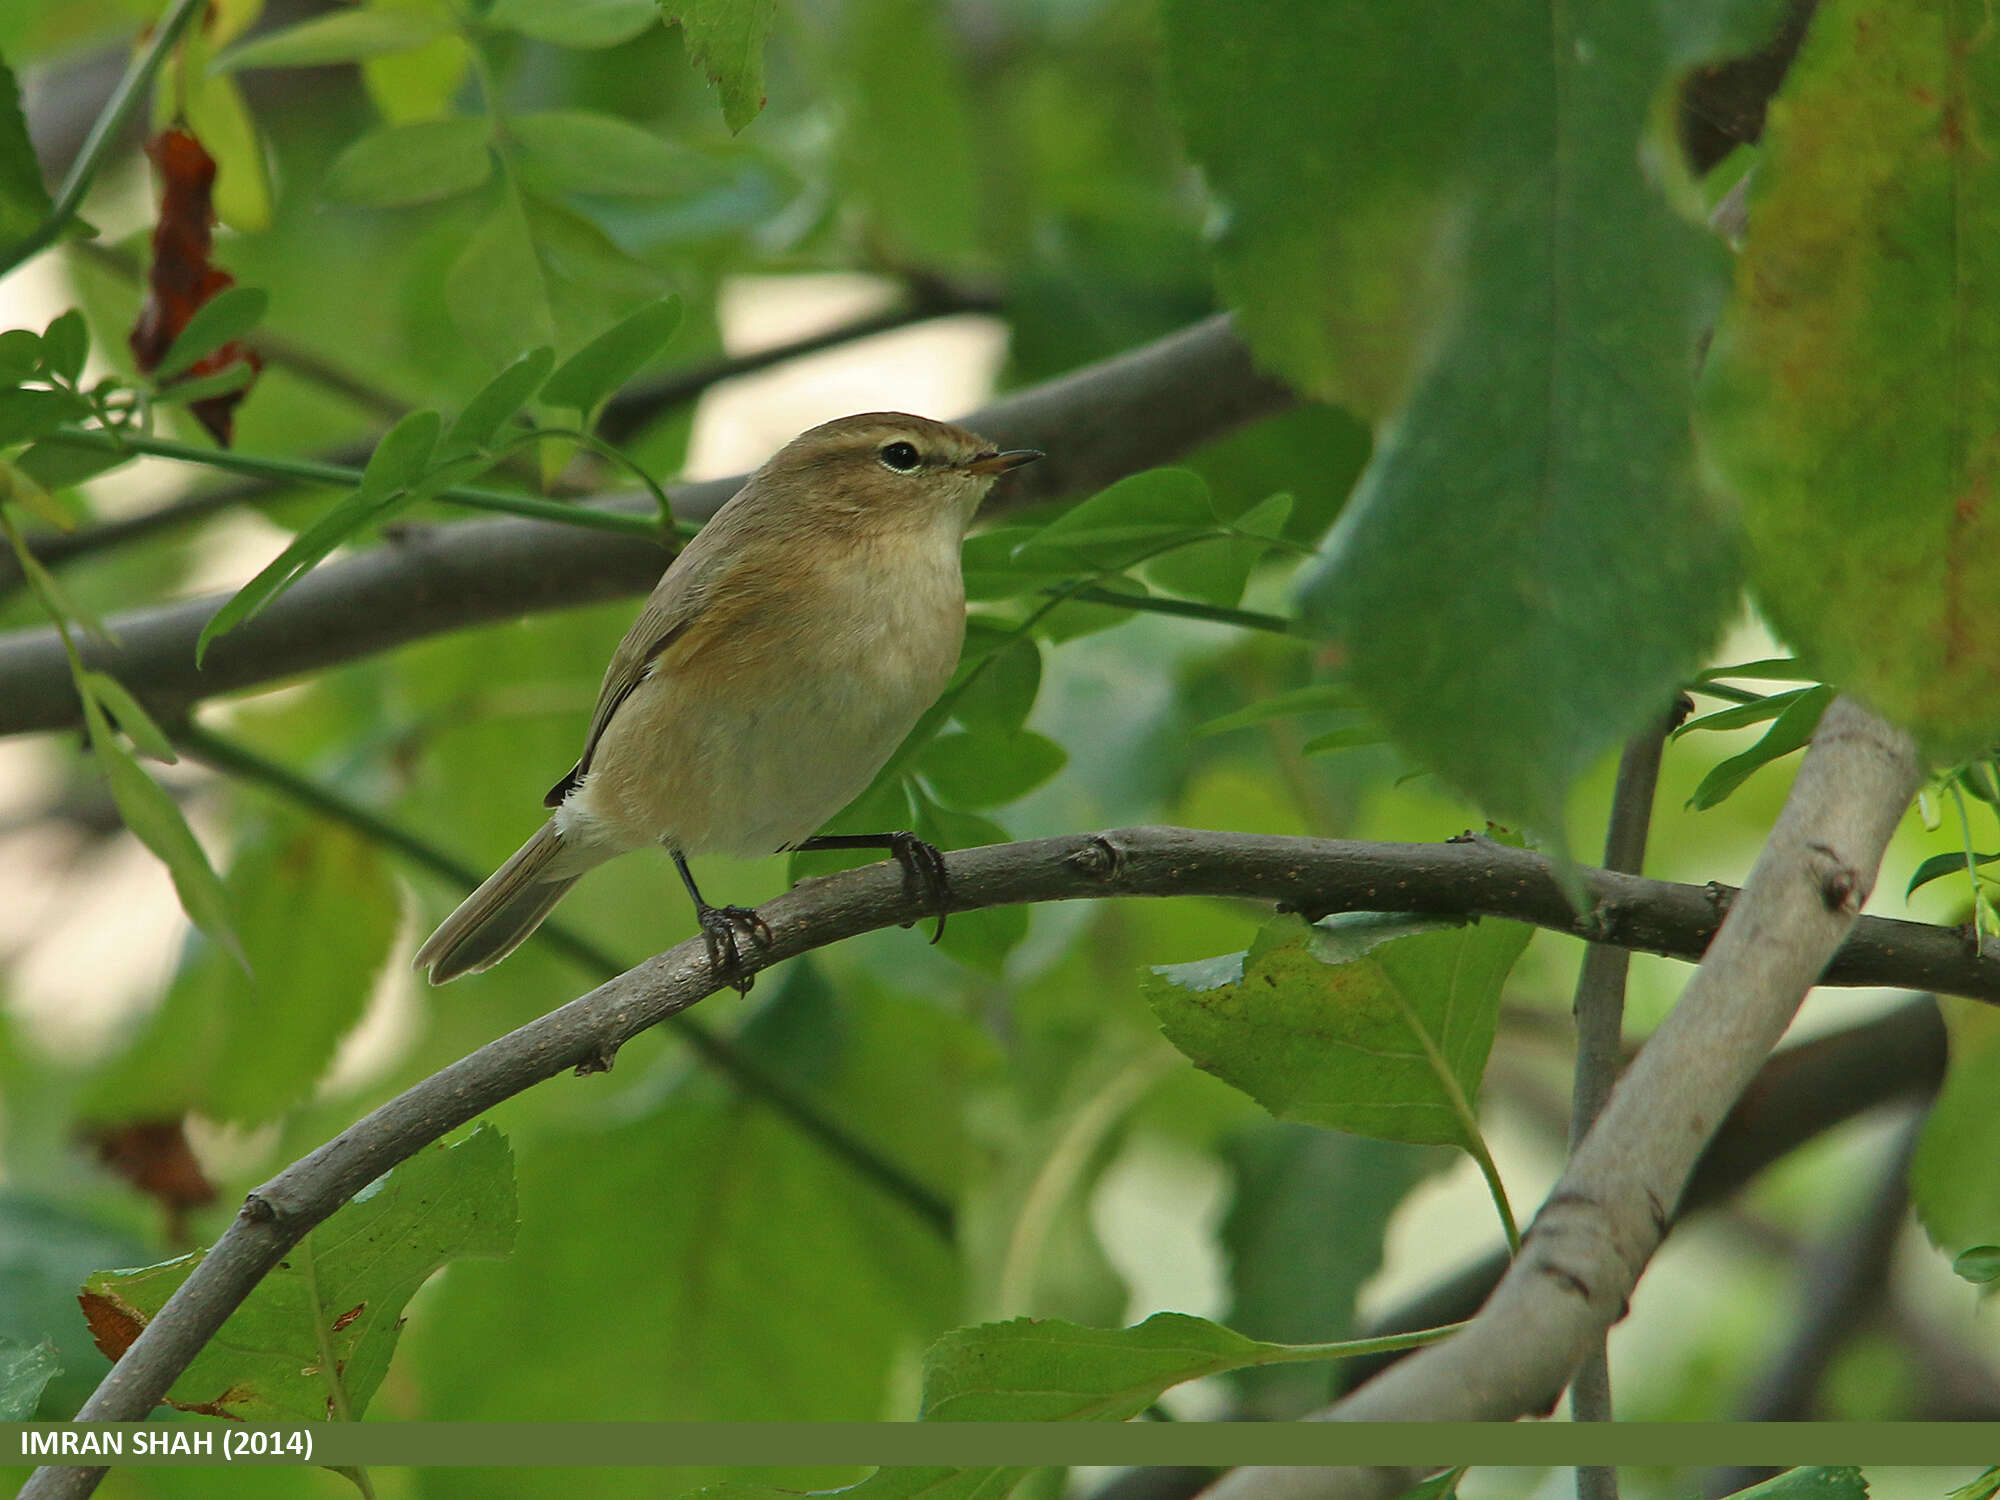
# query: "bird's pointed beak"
{"type": "Point", "coordinates": [1000, 463]}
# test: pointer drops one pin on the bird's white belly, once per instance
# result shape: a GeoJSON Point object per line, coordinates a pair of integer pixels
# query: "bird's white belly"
{"type": "Point", "coordinates": [785, 743]}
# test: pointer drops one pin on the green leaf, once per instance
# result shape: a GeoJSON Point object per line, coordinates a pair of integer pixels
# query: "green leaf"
{"type": "Point", "coordinates": [1132, 517]}
{"type": "Point", "coordinates": [235, 377]}
{"type": "Point", "coordinates": [25, 1372]}
{"type": "Point", "coordinates": [418, 162]}
{"type": "Point", "coordinates": [725, 39]}
{"type": "Point", "coordinates": [219, 117]}
{"type": "Point", "coordinates": [1952, 1185]}
{"type": "Point", "coordinates": [1500, 284]}
{"type": "Point", "coordinates": [1980, 1265]}
{"type": "Point", "coordinates": [1765, 669]}
{"type": "Point", "coordinates": [401, 455]}
{"type": "Point", "coordinates": [1953, 862]}
{"type": "Point", "coordinates": [903, 102]}
{"type": "Point", "coordinates": [1047, 1370]}
{"type": "Point", "coordinates": [1860, 356]}
{"type": "Point", "coordinates": [156, 820]}
{"type": "Point", "coordinates": [1790, 732]}
{"type": "Point", "coordinates": [576, 23]}
{"type": "Point", "coordinates": [248, 1047]}
{"type": "Point", "coordinates": [229, 314]}
{"type": "Point", "coordinates": [394, 467]}
{"type": "Point", "coordinates": [58, 465]}
{"type": "Point", "coordinates": [340, 1292]}
{"type": "Point", "coordinates": [495, 290]}
{"type": "Point", "coordinates": [20, 355]}
{"type": "Point", "coordinates": [582, 151]}
{"type": "Point", "coordinates": [1741, 715]}
{"type": "Point", "coordinates": [1318, 697]}
{"type": "Point", "coordinates": [496, 403]}
{"type": "Point", "coordinates": [995, 569]}
{"type": "Point", "coordinates": [131, 716]}
{"type": "Point", "coordinates": [55, 600]}
{"type": "Point", "coordinates": [1810, 1484]}
{"type": "Point", "coordinates": [603, 365]}
{"type": "Point", "coordinates": [985, 769]}
{"type": "Point", "coordinates": [998, 696]}
{"type": "Point", "coordinates": [28, 412]}
{"type": "Point", "coordinates": [66, 345]}
{"type": "Point", "coordinates": [346, 35]}
{"type": "Point", "coordinates": [24, 201]}
{"type": "Point", "coordinates": [1376, 1025]}
{"type": "Point", "coordinates": [1304, 1232]}
{"type": "Point", "coordinates": [1348, 737]}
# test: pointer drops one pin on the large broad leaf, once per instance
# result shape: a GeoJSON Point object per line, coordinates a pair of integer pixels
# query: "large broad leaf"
{"type": "Point", "coordinates": [576, 23]}
{"type": "Point", "coordinates": [1438, 215]}
{"type": "Point", "coordinates": [24, 202]}
{"type": "Point", "coordinates": [316, 911]}
{"type": "Point", "coordinates": [1378, 1025]}
{"type": "Point", "coordinates": [1854, 384]}
{"type": "Point", "coordinates": [314, 1340]}
{"type": "Point", "coordinates": [725, 39]}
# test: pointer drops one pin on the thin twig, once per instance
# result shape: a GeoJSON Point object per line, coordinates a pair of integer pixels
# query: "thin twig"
{"type": "Point", "coordinates": [718, 1051]}
{"type": "Point", "coordinates": [1599, 1008]}
{"type": "Point", "coordinates": [104, 132]}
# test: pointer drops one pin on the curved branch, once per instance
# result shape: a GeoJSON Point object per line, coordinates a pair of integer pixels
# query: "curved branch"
{"type": "Point", "coordinates": [1601, 1224]}
{"type": "Point", "coordinates": [1098, 424]}
{"type": "Point", "coordinates": [1474, 876]}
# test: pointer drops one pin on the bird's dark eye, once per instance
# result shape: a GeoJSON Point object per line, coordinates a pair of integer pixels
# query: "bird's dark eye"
{"type": "Point", "coordinates": [902, 457]}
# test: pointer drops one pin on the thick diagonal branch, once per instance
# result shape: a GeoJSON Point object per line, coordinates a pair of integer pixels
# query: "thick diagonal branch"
{"type": "Point", "coordinates": [1141, 408]}
{"type": "Point", "coordinates": [1600, 1226]}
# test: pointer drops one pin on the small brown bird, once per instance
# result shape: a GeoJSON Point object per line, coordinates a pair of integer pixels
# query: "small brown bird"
{"type": "Point", "coordinates": [775, 668]}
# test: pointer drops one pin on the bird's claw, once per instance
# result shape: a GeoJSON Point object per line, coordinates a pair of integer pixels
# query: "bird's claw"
{"type": "Point", "coordinates": [720, 928]}
{"type": "Point", "coordinates": [923, 874]}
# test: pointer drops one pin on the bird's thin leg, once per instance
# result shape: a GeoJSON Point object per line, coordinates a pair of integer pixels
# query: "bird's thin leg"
{"type": "Point", "coordinates": [719, 928]}
{"type": "Point", "coordinates": [923, 866]}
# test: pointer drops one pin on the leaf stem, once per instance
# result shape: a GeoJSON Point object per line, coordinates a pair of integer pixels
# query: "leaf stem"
{"type": "Point", "coordinates": [1468, 1118]}
{"type": "Point", "coordinates": [240, 761]}
{"type": "Point", "coordinates": [104, 133]}
{"type": "Point", "coordinates": [312, 471]}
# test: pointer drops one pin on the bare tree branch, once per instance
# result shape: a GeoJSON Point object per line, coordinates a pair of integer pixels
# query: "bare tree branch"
{"type": "Point", "coordinates": [1474, 876]}
{"type": "Point", "coordinates": [1098, 424]}
{"type": "Point", "coordinates": [1600, 1034]}
{"type": "Point", "coordinates": [1600, 1226]}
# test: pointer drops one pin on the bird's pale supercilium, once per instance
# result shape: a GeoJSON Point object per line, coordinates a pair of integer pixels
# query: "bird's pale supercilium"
{"type": "Point", "coordinates": [772, 672]}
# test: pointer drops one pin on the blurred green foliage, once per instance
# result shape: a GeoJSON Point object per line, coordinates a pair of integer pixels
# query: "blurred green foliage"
{"type": "Point", "coordinates": [485, 220]}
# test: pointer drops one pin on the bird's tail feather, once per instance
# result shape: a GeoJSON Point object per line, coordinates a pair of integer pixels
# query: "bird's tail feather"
{"type": "Point", "coordinates": [495, 919]}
